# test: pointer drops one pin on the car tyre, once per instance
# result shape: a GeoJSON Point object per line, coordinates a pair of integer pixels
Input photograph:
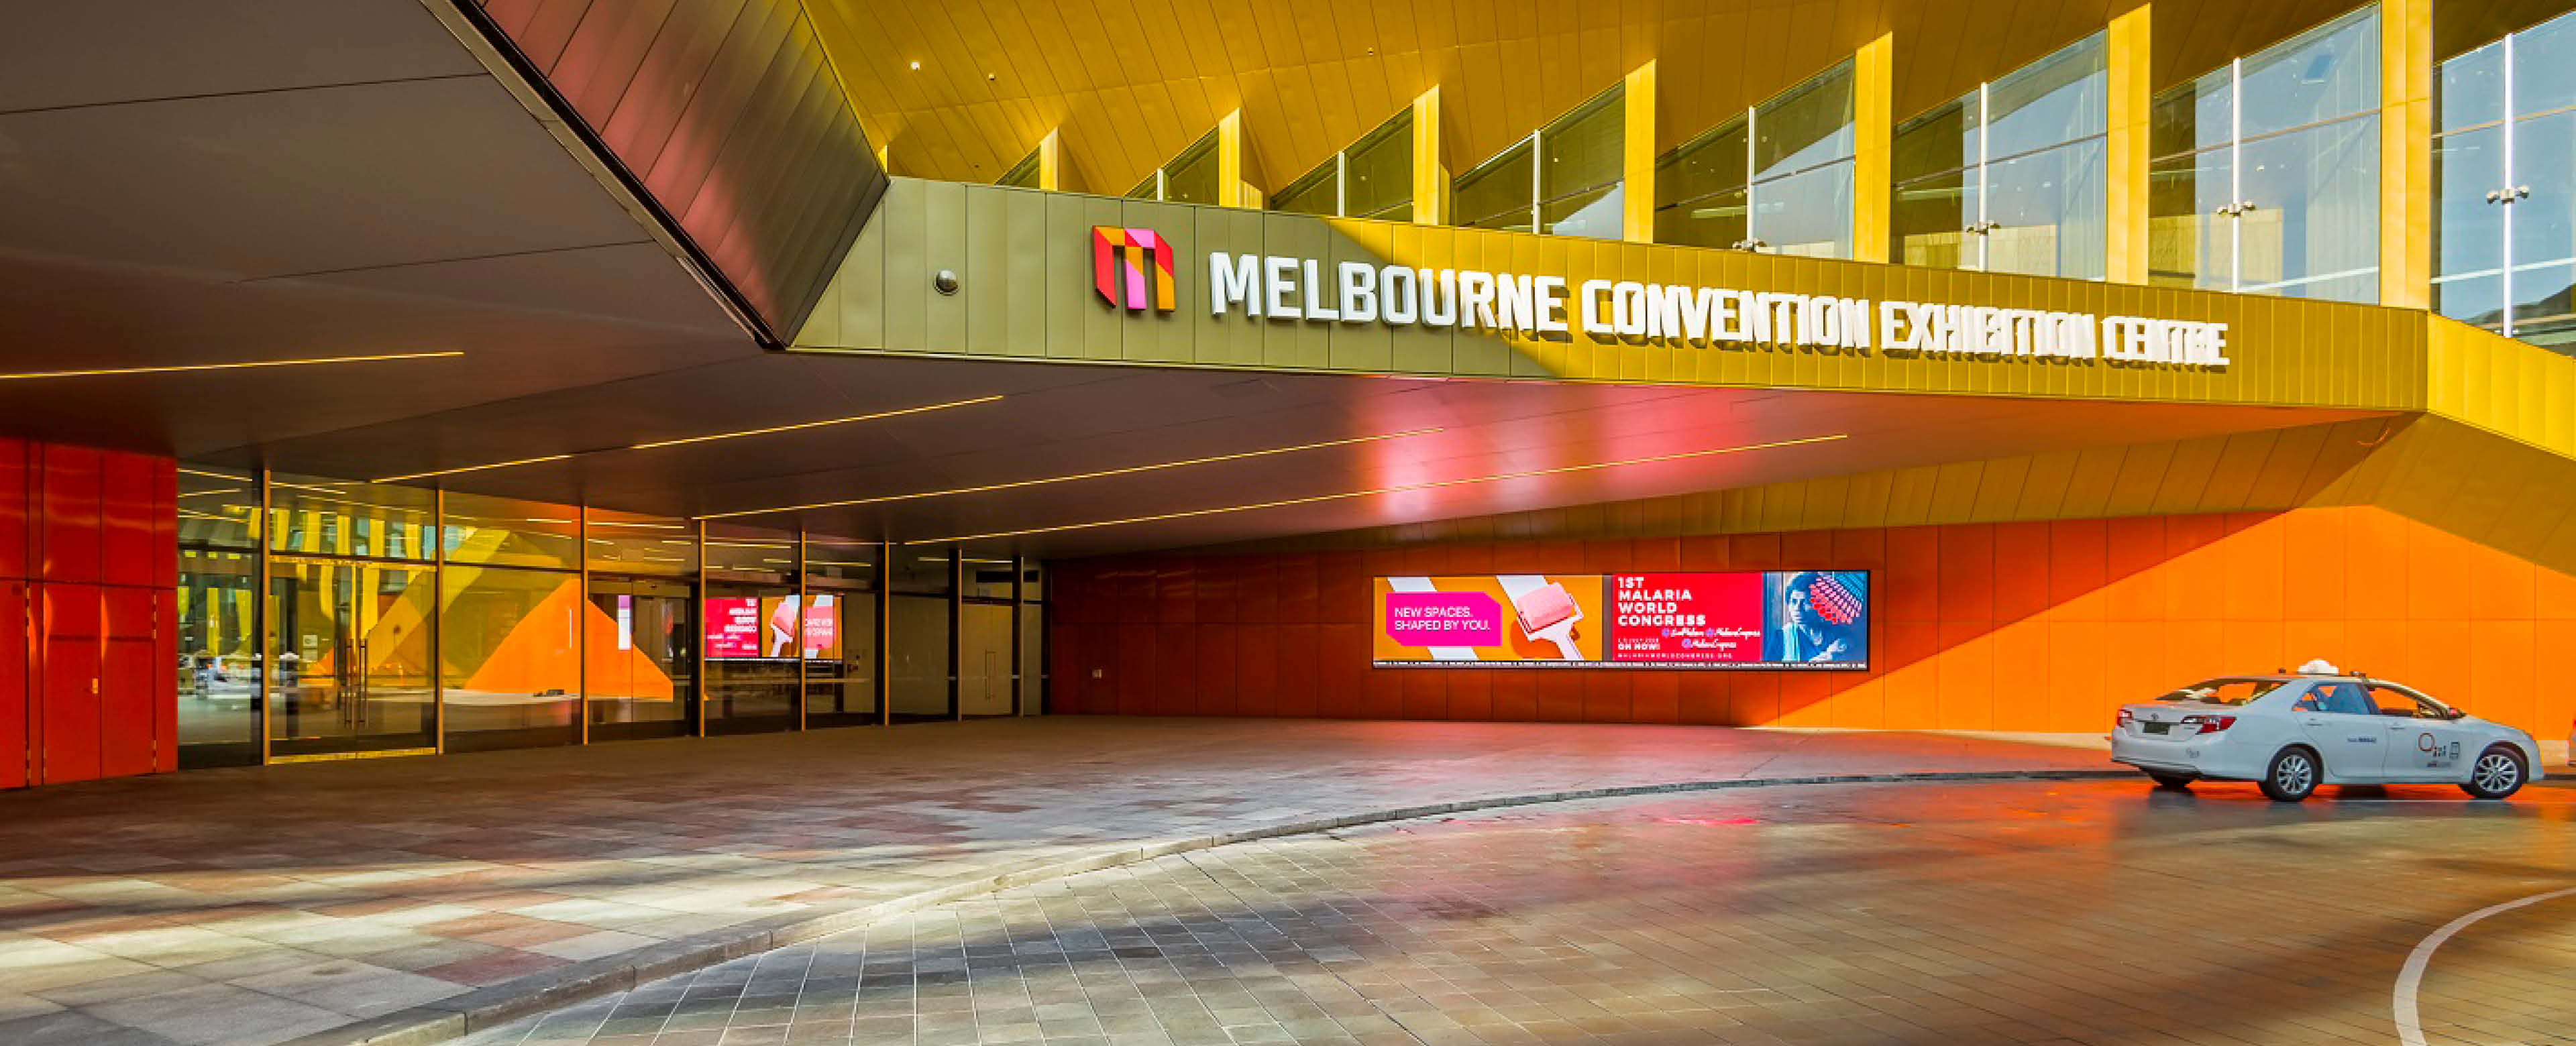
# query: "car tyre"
{"type": "Point", "coordinates": [2499, 772]}
{"type": "Point", "coordinates": [2293, 775]}
{"type": "Point", "coordinates": [2172, 782]}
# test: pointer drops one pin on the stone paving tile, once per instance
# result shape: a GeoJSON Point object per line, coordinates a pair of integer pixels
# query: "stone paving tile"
{"type": "Point", "coordinates": [413, 880]}
{"type": "Point", "coordinates": [2004, 913]}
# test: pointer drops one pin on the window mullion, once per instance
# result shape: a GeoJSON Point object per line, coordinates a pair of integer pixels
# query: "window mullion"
{"type": "Point", "coordinates": [2505, 284]}
{"type": "Point", "coordinates": [2236, 174]}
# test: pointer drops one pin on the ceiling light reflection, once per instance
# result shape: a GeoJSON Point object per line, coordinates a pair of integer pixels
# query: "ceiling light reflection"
{"type": "Point", "coordinates": [240, 365]}
{"type": "Point", "coordinates": [1346, 495]}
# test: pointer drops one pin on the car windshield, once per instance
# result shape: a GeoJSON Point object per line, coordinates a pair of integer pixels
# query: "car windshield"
{"type": "Point", "coordinates": [2224, 691]}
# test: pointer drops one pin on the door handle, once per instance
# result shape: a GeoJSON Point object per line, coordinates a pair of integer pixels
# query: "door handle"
{"type": "Point", "coordinates": [2312, 721]}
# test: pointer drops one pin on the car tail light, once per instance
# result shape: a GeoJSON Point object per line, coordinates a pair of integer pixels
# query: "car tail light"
{"type": "Point", "coordinates": [2123, 719]}
{"type": "Point", "coordinates": [2209, 724]}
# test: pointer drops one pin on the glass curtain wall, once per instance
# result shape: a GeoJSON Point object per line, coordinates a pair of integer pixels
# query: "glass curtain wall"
{"type": "Point", "coordinates": [1777, 179]}
{"type": "Point", "coordinates": [2265, 177]}
{"type": "Point", "coordinates": [2010, 177]}
{"type": "Point", "coordinates": [919, 671]}
{"type": "Point", "coordinates": [640, 653]}
{"type": "Point", "coordinates": [352, 609]}
{"type": "Point", "coordinates": [841, 632]}
{"type": "Point", "coordinates": [1033, 646]}
{"type": "Point", "coordinates": [1373, 178]}
{"type": "Point", "coordinates": [1565, 179]}
{"type": "Point", "coordinates": [218, 617]}
{"type": "Point", "coordinates": [510, 624]}
{"type": "Point", "coordinates": [1023, 174]}
{"type": "Point", "coordinates": [985, 687]}
{"type": "Point", "coordinates": [1191, 177]}
{"type": "Point", "coordinates": [754, 668]}
{"type": "Point", "coordinates": [2504, 180]}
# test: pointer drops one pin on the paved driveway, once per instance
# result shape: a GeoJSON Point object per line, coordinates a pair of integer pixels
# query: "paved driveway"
{"type": "Point", "coordinates": [260, 905]}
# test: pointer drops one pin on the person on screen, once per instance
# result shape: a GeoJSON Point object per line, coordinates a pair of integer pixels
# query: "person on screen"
{"type": "Point", "coordinates": [1798, 631]}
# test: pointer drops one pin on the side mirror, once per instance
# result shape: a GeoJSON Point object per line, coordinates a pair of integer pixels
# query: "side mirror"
{"type": "Point", "coordinates": [2454, 713]}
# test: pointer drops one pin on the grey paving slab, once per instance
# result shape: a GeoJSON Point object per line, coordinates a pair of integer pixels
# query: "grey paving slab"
{"type": "Point", "coordinates": [366, 890]}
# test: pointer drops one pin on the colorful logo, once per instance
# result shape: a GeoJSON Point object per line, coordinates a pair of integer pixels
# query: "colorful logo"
{"type": "Point", "coordinates": [1124, 262]}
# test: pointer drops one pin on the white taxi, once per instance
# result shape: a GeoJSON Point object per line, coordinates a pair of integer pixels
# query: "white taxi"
{"type": "Point", "coordinates": [2294, 731]}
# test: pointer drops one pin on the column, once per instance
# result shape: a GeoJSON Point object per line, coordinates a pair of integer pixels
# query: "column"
{"type": "Point", "coordinates": [1231, 188]}
{"type": "Point", "coordinates": [1873, 147]}
{"type": "Point", "coordinates": [1430, 162]}
{"type": "Point", "coordinates": [1637, 157]}
{"type": "Point", "coordinates": [2406, 153]}
{"type": "Point", "coordinates": [2125, 183]}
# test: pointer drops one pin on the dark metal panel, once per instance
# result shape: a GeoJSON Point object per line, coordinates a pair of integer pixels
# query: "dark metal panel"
{"type": "Point", "coordinates": [726, 117]}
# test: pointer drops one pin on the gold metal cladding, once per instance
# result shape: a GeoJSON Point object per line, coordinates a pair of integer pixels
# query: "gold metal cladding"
{"type": "Point", "coordinates": [1431, 485]}
{"type": "Point", "coordinates": [240, 365]}
{"type": "Point", "coordinates": [653, 444]}
{"type": "Point", "coordinates": [1102, 474]}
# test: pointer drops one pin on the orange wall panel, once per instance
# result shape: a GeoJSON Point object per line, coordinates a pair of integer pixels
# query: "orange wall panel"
{"type": "Point", "coordinates": [2037, 627]}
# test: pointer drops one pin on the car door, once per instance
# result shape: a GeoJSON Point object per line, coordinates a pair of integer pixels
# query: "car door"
{"type": "Point", "coordinates": [2424, 742]}
{"type": "Point", "coordinates": [2338, 720]}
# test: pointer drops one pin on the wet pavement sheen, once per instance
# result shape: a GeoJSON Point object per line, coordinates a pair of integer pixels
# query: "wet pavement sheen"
{"type": "Point", "coordinates": [2021, 912]}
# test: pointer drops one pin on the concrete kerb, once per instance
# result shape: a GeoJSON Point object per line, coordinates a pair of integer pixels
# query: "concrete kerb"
{"type": "Point", "coordinates": [525, 996]}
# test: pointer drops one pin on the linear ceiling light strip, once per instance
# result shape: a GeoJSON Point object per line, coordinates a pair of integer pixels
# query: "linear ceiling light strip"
{"type": "Point", "coordinates": [1434, 484]}
{"type": "Point", "coordinates": [242, 365]}
{"type": "Point", "coordinates": [1102, 474]}
{"type": "Point", "coordinates": [925, 408]}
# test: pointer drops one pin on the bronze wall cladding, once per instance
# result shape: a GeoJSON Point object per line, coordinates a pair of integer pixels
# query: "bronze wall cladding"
{"type": "Point", "coordinates": [729, 116]}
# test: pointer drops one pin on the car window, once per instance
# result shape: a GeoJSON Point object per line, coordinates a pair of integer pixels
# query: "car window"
{"type": "Point", "coordinates": [2337, 698]}
{"type": "Point", "coordinates": [2391, 701]}
{"type": "Point", "coordinates": [2225, 691]}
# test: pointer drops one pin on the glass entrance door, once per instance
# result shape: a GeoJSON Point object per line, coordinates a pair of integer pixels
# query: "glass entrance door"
{"type": "Point", "coordinates": [352, 666]}
{"type": "Point", "coordinates": [643, 679]}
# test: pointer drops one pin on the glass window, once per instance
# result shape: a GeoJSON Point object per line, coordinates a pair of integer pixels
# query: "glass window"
{"type": "Point", "coordinates": [1807, 214]}
{"type": "Point", "coordinates": [2266, 173]}
{"type": "Point", "coordinates": [1378, 176]}
{"type": "Point", "coordinates": [1930, 222]}
{"type": "Point", "coordinates": [754, 673]}
{"type": "Point", "coordinates": [1149, 189]}
{"type": "Point", "coordinates": [353, 667]}
{"type": "Point", "coordinates": [919, 570]}
{"type": "Point", "coordinates": [1699, 189]}
{"type": "Point", "coordinates": [988, 578]}
{"type": "Point", "coordinates": [1582, 166]}
{"type": "Point", "coordinates": [1318, 192]}
{"type": "Point", "coordinates": [2505, 203]}
{"type": "Point", "coordinates": [502, 532]}
{"type": "Point", "coordinates": [2058, 99]}
{"type": "Point", "coordinates": [626, 543]}
{"type": "Point", "coordinates": [218, 657]}
{"type": "Point", "coordinates": [2046, 212]}
{"type": "Point", "coordinates": [841, 663]}
{"type": "Point", "coordinates": [1191, 177]}
{"type": "Point", "coordinates": [1024, 173]}
{"type": "Point", "coordinates": [2327, 73]}
{"type": "Point", "coordinates": [2314, 232]}
{"type": "Point", "coordinates": [509, 645]}
{"type": "Point", "coordinates": [1804, 126]}
{"type": "Point", "coordinates": [2225, 691]}
{"type": "Point", "coordinates": [218, 508]}
{"type": "Point", "coordinates": [349, 518]}
{"type": "Point", "coordinates": [641, 653]}
{"type": "Point", "coordinates": [1497, 194]}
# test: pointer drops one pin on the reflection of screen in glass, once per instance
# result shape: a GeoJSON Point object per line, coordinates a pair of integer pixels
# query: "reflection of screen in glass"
{"type": "Point", "coordinates": [741, 628]}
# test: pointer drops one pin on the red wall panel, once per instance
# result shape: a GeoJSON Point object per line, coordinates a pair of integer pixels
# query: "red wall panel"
{"type": "Point", "coordinates": [2037, 626]}
{"type": "Point", "coordinates": [69, 525]}
{"type": "Point", "coordinates": [13, 684]}
{"type": "Point", "coordinates": [69, 675]}
{"type": "Point", "coordinates": [88, 638]}
{"type": "Point", "coordinates": [127, 720]}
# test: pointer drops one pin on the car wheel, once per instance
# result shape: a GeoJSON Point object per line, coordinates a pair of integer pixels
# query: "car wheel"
{"type": "Point", "coordinates": [2293, 775]}
{"type": "Point", "coordinates": [2497, 773]}
{"type": "Point", "coordinates": [2176, 781]}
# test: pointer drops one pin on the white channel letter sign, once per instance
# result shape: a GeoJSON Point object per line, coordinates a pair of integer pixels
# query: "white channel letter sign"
{"type": "Point", "coordinates": [1284, 289]}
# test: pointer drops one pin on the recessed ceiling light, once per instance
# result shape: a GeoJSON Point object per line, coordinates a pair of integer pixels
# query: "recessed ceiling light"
{"type": "Point", "coordinates": [916, 67]}
{"type": "Point", "coordinates": [650, 445]}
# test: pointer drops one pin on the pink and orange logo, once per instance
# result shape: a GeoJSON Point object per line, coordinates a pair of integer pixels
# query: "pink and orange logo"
{"type": "Point", "coordinates": [1132, 268]}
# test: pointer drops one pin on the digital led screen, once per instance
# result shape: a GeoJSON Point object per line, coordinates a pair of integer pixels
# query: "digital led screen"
{"type": "Point", "coordinates": [741, 628]}
{"type": "Point", "coordinates": [1778, 619]}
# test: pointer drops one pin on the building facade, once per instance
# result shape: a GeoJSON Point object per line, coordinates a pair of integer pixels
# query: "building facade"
{"type": "Point", "coordinates": [598, 373]}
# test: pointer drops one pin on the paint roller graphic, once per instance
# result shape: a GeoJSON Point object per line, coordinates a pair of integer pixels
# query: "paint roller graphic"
{"type": "Point", "coordinates": [1545, 611]}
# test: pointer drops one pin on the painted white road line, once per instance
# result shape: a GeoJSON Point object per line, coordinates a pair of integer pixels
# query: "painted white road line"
{"type": "Point", "coordinates": [2410, 1027]}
